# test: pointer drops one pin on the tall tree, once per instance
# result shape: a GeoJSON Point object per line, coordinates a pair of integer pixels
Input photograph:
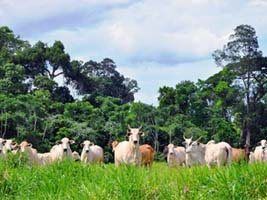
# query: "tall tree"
{"type": "Point", "coordinates": [102, 79]}
{"type": "Point", "coordinates": [241, 55]}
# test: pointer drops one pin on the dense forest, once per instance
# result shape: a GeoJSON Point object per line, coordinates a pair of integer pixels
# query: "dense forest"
{"type": "Point", "coordinates": [230, 105]}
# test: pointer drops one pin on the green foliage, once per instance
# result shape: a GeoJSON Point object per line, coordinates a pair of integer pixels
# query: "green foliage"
{"type": "Point", "coordinates": [34, 107]}
{"type": "Point", "coordinates": [70, 180]}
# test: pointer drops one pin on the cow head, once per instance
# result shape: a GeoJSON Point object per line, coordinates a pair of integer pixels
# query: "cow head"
{"type": "Point", "coordinates": [86, 146]}
{"type": "Point", "coordinates": [65, 143]}
{"type": "Point", "coordinates": [76, 156]}
{"type": "Point", "coordinates": [114, 144]}
{"type": "Point", "coordinates": [263, 144]}
{"type": "Point", "coordinates": [170, 149]}
{"type": "Point", "coordinates": [2, 144]}
{"type": "Point", "coordinates": [10, 145]}
{"type": "Point", "coordinates": [194, 146]}
{"type": "Point", "coordinates": [134, 134]}
{"type": "Point", "coordinates": [187, 141]}
{"type": "Point", "coordinates": [25, 146]}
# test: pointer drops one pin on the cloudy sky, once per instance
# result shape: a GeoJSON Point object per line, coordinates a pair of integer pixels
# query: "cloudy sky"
{"type": "Point", "coordinates": [155, 42]}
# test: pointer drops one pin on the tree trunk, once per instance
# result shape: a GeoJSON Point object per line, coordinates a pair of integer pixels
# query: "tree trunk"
{"type": "Point", "coordinates": [248, 131]}
{"type": "Point", "coordinates": [5, 127]}
{"type": "Point", "coordinates": [35, 122]}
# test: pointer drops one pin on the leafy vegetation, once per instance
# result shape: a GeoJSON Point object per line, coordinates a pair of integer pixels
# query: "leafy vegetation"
{"type": "Point", "coordinates": [73, 180]}
{"type": "Point", "coordinates": [230, 105]}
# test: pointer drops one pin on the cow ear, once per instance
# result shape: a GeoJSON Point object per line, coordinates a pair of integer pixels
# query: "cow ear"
{"type": "Point", "coordinates": [72, 142]}
{"type": "Point", "coordinates": [82, 144]}
{"type": "Point", "coordinates": [92, 144]}
{"type": "Point", "coordinates": [29, 145]}
{"type": "Point", "coordinates": [16, 147]}
{"type": "Point", "coordinates": [4, 141]}
{"type": "Point", "coordinates": [14, 143]}
{"type": "Point", "coordinates": [184, 143]}
{"type": "Point", "coordinates": [58, 142]}
{"type": "Point", "coordinates": [142, 133]}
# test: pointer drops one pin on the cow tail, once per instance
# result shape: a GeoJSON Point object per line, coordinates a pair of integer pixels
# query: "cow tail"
{"type": "Point", "coordinates": [228, 155]}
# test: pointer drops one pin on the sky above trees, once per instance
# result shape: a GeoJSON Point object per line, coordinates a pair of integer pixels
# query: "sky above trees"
{"type": "Point", "coordinates": [155, 42]}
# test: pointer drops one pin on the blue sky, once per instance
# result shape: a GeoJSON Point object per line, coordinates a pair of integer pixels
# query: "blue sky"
{"type": "Point", "coordinates": [153, 41]}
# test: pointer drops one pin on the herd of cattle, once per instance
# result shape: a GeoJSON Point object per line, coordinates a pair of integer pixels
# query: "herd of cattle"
{"type": "Point", "coordinates": [131, 152]}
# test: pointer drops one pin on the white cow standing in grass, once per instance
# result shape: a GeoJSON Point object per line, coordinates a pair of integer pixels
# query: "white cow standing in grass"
{"type": "Point", "coordinates": [260, 153]}
{"type": "Point", "coordinates": [218, 153]}
{"type": "Point", "coordinates": [26, 148]}
{"type": "Point", "coordinates": [9, 146]}
{"type": "Point", "coordinates": [91, 153]}
{"type": "Point", "coordinates": [195, 152]}
{"type": "Point", "coordinates": [175, 156]}
{"type": "Point", "coordinates": [127, 152]}
{"type": "Point", "coordinates": [211, 154]}
{"type": "Point", "coordinates": [61, 150]}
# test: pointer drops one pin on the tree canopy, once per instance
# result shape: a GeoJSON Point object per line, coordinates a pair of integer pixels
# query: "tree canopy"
{"type": "Point", "coordinates": [96, 102]}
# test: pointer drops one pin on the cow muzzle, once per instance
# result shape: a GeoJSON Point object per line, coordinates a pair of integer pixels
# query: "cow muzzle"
{"type": "Point", "coordinates": [87, 150]}
{"type": "Point", "coordinates": [187, 151]}
{"type": "Point", "coordinates": [65, 150]}
{"type": "Point", "coordinates": [135, 141]}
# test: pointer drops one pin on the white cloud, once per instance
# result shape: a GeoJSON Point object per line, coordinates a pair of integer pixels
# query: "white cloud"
{"type": "Point", "coordinates": [152, 76]}
{"type": "Point", "coordinates": [160, 42]}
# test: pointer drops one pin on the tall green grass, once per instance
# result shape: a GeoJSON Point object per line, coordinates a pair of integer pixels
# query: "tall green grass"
{"type": "Point", "coordinates": [72, 180]}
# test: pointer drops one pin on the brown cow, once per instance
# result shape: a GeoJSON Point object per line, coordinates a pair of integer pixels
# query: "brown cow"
{"type": "Point", "coordinates": [238, 155]}
{"type": "Point", "coordinates": [147, 155]}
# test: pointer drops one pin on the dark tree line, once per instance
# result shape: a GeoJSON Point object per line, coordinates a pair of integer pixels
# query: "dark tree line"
{"type": "Point", "coordinates": [230, 105]}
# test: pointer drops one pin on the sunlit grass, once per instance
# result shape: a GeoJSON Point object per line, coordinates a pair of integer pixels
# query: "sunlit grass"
{"type": "Point", "coordinates": [73, 180]}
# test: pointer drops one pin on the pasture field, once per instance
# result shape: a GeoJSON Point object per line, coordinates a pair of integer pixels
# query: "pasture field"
{"type": "Point", "coordinates": [73, 180]}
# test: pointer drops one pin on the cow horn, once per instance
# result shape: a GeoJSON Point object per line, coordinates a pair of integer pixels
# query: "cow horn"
{"type": "Point", "coordinates": [198, 138]}
{"type": "Point", "coordinates": [140, 127]}
{"type": "Point", "coordinates": [129, 126]}
{"type": "Point", "coordinates": [184, 137]}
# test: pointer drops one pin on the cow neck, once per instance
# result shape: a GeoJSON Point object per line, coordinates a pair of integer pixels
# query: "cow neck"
{"type": "Point", "coordinates": [135, 149]}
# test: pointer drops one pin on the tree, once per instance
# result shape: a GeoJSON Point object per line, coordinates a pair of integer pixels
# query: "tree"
{"type": "Point", "coordinates": [41, 59]}
{"type": "Point", "coordinates": [102, 79]}
{"type": "Point", "coordinates": [12, 80]}
{"type": "Point", "coordinates": [9, 44]}
{"type": "Point", "coordinates": [241, 55]}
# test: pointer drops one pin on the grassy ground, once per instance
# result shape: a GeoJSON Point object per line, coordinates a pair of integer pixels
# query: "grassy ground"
{"type": "Point", "coordinates": [72, 180]}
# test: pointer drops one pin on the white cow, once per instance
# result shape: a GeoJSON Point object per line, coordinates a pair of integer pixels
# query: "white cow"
{"type": "Point", "coordinates": [26, 148]}
{"type": "Point", "coordinates": [260, 153]}
{"type": "Point", "coordinates": [58, 152]}
{"type": "Point", "coordinates": [175, 156]}
{"type": "Point", "coordinates": [61, 150]}
{"type": "Point", "coordinates": [91, 153]}
{"type": "Point", "coordinates": [210, 154]}
{"type": "Point", "coordinates": [218, 153]}
{"type": "Point", "coordinates": [195, 152]}
{"type": "Point", "coordinates": [263, 143]}
{"type": "Point", "coordinates": [2, 144]}
{"type": "Point", "coordinates": [44, 158]}
{"type": "Point", "coordinates": [127, 152]}
{"type": "Point", "coordinates": [76, 156]}
{"type": "Point", "coordinates": [10, 145]}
